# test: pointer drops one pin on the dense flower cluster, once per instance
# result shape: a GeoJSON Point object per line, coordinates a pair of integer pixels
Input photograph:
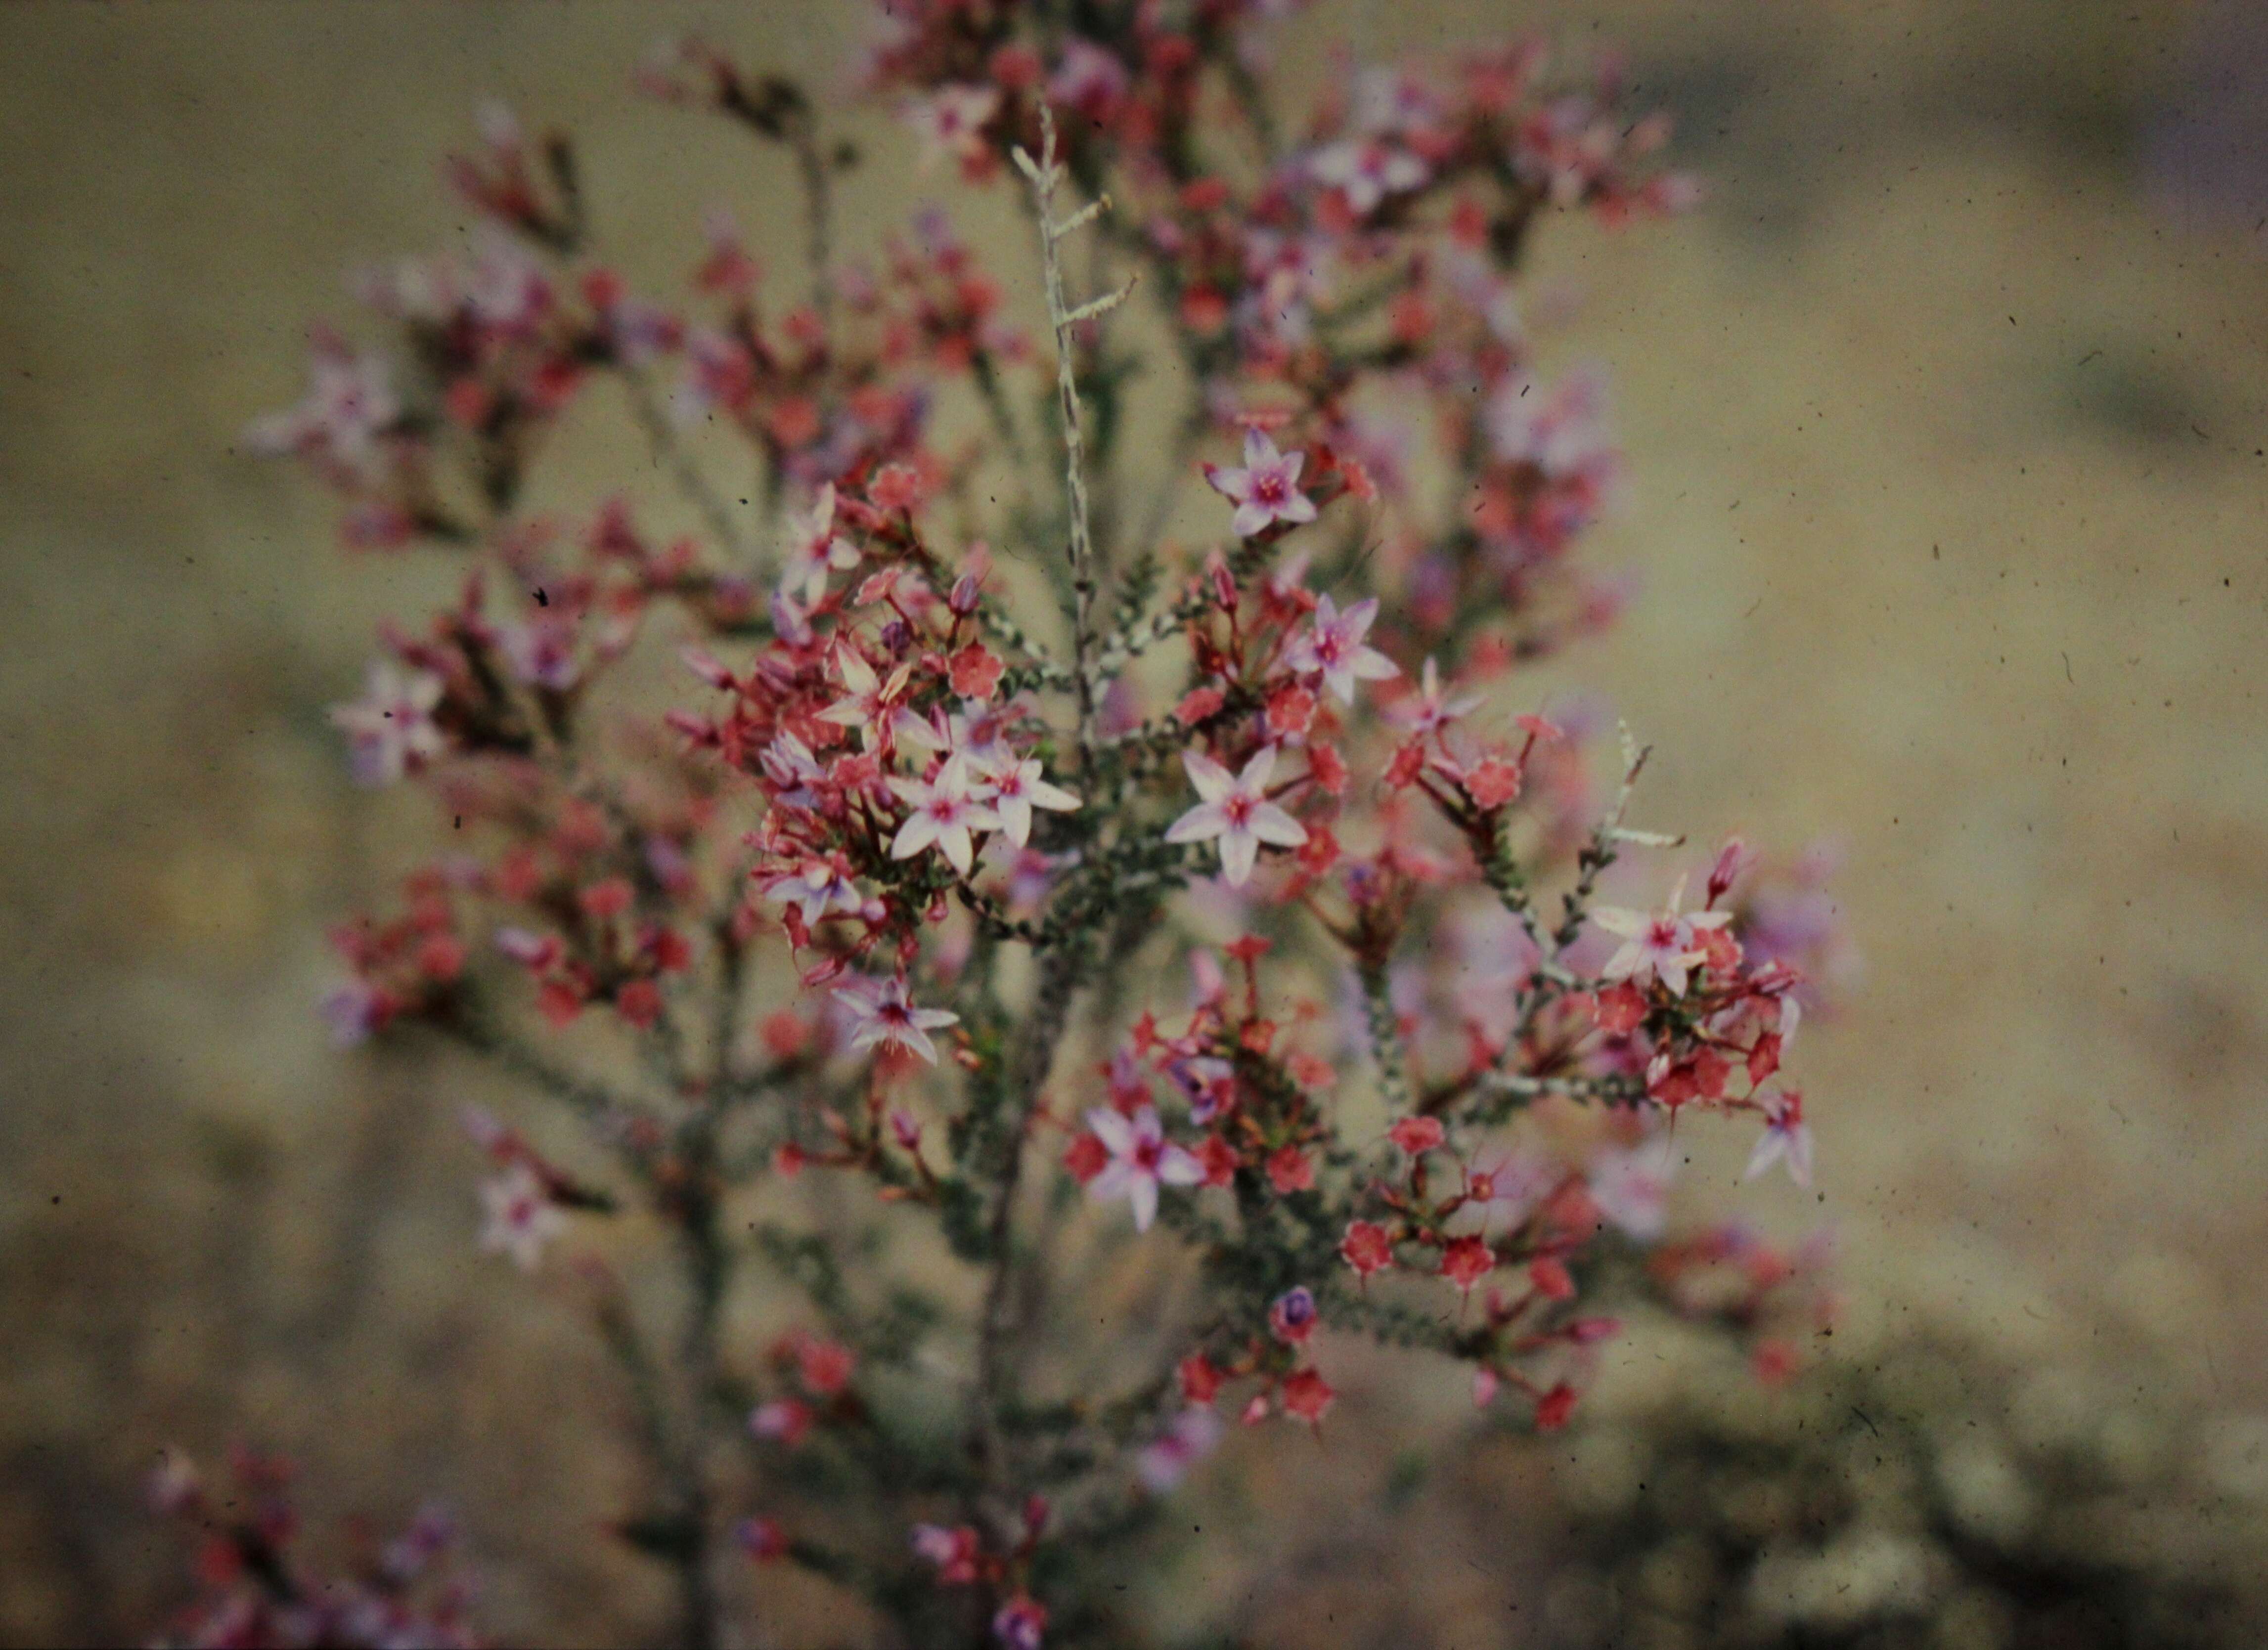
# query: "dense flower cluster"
{"type": "Point", "coordinates": [905, 883]}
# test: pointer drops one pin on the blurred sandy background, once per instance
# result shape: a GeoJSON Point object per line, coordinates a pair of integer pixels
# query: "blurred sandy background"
{"type": "Point", "coordinates": [1945, 421]}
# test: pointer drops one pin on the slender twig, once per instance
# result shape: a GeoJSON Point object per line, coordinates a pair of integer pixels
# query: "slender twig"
{"type": "Point", "coordinates": [1045, 175]}
{"type": "Point", "coordinates": [818, 216]}
{"type": "Point", "coordinates": [595, 1102]}
{"type": "Point", "coordinates": [670, 451]}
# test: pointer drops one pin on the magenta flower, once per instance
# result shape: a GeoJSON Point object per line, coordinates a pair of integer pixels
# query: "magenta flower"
{"type": "Point", "coordinates": [1141, 1158]}
{"type": "Point", "coordinates": [1332, 645]}
{"type": "Point", "coordinates": [1237, 811]}
{"type": "Point", "coordinates": [886, 1015]}
{"type": "Point", "coordinates": [1266, 490]}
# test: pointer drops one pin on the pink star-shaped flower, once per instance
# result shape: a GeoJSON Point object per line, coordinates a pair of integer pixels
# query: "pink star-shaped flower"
{"type": "Point", "coordinates": [947, 808]}
{"type": "Point", "coordinates": [814, 551]}
{"type": "Point", "coordinates": [1657, 944]}
{"type": "Point", "coordinates": [1235, 810]}
{"type": "Point", "coordinates": [951, 122]}
{"type": "Point", "coordinates": [1019, 786]}
{"type": "Point", "coordinates": [390, 729]}
{"type": "Point", "coordinates": [1332, 646]}
{"type": "Point", "coordinates": [1141, 1159]}
{"type": "Point", "coordinates": [1266, 490]}
{"type": "Point", "coordinates": [886, 1014]}
{"type": "Point", "coordinates": [1366, 172]}
{"type": "Point", "coordinates": [1786, 1139]}
{"type": "Point", "coordinates": [520, 1218]}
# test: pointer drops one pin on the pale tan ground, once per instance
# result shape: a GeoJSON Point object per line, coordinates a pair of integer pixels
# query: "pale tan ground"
{"type": "Point", "coordinates": [1948, 496]}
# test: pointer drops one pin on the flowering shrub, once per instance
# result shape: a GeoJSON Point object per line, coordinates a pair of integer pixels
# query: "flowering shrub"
{"type": "Point", "coordinates": [904, 889]}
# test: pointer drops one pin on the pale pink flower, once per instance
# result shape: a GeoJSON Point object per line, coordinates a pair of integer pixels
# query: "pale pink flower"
{"type": "Point", "coordinates": [816, 888]}
{"type": "Point", "coordinates": [1266, 490]}
{"type": "Point", "coordinates": [814, 550]}
{"type": "Point", "coordinates": [1020, 786]}
{"type": "Point", "coordinates": [1786, 1137]}
{"type": "Point", "coordinates": [1141, 1158]}
{"type": "Point", "coordinates": [1367, 171]}
{"type": "Point", "coordinates": [1237, 811]}
{"type": "Point", "coordinates": [875, 707]}
{"type": "Point", "coordinates": [542, 653]}
{"type": "Point", "coordinates": [886, 1015]}
{"type": "Point", "coordinates": [506, 289]}
{"type": "Point", "coordinates": [1088, 80]}
{"type": "Point", "coordinates": [519, 1217]}
{"type": "Point", "coordinates": [390, 729]}
{"type": "Point", "coordinates": [1190, 1436]}
{"type": "Point", "coordinates": [947, 807]}
{"type": "Point", "coordinates": [978, 731]}
{"type": "Point", "coordinates": [349, 404]}
{"type": "Point", "coordinates": [951, 122]}
{"type": "Point", "coordinates": [1332, 644]}
{"type": "Point", "coordinates": [952, 1551]}
{"type": "Point", "coordinates": [1391, 100]}
{"type": "Point", "coordinates": [785, 1421]}
{"type": "Point", "coordinates": [1657, 944]}
{"type": "Point", "coordinates": [1631, 1188]}
{"type": "Point", "coordinates": [792, 769]}
{"type": "Point", "coordinates": [1432, 709]}
{"type": "Point", "coordinates": [1560, 431]}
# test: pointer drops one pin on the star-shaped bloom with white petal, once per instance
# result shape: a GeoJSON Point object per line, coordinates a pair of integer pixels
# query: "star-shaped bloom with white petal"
{"type": "Point", "coordinates": [947, 807]}
{"type": "Point", "coordinates": [817, 887]}
{"type": "Point", "coordinates": [951, 122]}
{"type": "Point", "coordinates": [1332, 645]}
{"type": "Point", "coordinates": [1019, 786]}
{"type": "Point", "coordinates": [390, 729]}
{"type": "Point", "coordinates": [1266, 490]}
{"type": "Point", "coordinates": [1236, 810]}
{"type": "Point", "coordinates": [520, 1216]}
{"type": "Point", "coordinates": [1141, 1158]}
{"type": "Point", "coordinates": [1786, 1139]}
{"type": "Point", "coordinates": [886, 1014]}
{"type": "Point", "coordinates": [875, 707]}
{"type": "Point", "coordinates": [1432, 710]}
{"type": "Point", "coordinates": [1657, 944]}
{"type": "Point", "coordinates": [1367, 172]}
{"type": "Point", "coordinates": [814, 550]}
